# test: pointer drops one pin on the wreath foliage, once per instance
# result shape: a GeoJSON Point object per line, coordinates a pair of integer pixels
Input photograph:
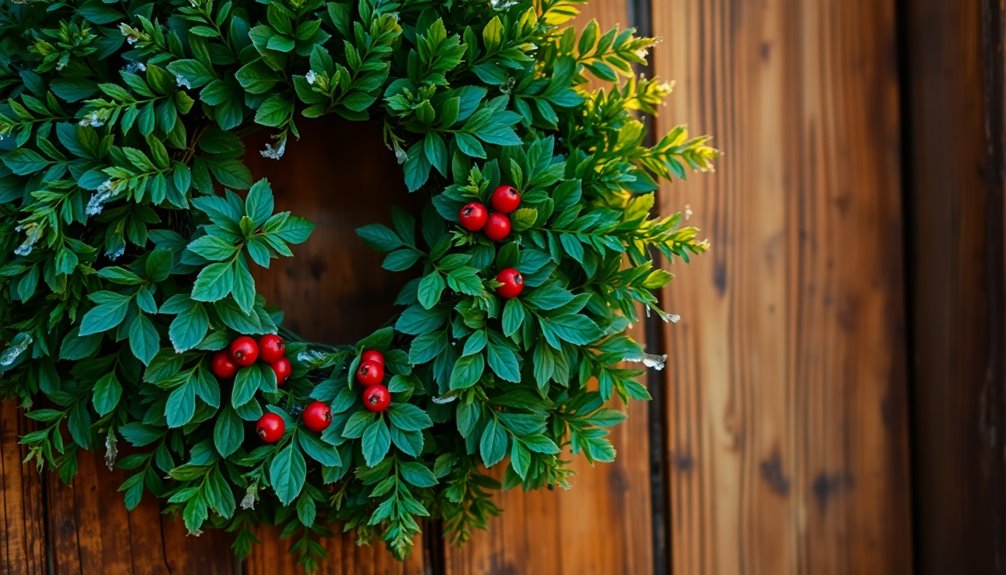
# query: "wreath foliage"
{"type": "Point", "coordinates": [129, 224]}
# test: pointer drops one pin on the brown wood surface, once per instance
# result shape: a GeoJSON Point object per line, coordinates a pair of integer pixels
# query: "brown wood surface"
{"type": "Point", "coordinates": [956, 198]}
{"type": "Point", "coordinates": [22, 514]}
{"type": "Point", "coordinates": [787, 431]}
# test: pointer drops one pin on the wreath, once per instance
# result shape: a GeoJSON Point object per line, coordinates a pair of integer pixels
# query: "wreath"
{"type": "Point", "coordinates": [129, 224]}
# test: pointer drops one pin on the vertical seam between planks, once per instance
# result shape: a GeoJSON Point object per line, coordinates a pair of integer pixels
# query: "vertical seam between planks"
{"type": "Point", "coordinates": [903, 19]}
{"type": "Point", "coordinates": [639, 14]}
{"type": "Point", "coordinates": [992, 59]}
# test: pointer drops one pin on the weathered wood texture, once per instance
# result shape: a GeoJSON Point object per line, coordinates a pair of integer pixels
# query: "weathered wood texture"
{"type": "Point", "coordinates": [787, 431]}
{"type": "Point", "coordinates": [49, 527]}
{"type": "Point", "coordinates": [955, 65]}
{"type": "Point", "coordinates": [602, 525]}
{"type": "Point", "coordinates": [22, 513]}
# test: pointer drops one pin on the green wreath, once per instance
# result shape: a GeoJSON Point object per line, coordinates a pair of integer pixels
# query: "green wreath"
{"type": "Point", "coordinates": [128, 311]}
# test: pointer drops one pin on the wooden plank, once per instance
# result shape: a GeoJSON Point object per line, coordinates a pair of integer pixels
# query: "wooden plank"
{"type": "Point", "coordinates": [334, 289]}
{"type": "Point", "coordinates": [603, 524]}
{"type": "Point", "coordinates": [955, 66]}
{"type": "Point", "coordinates": [22, 512]}
{"type": "Point", "coordinates": [787, 441]}
{"type": "Point", "coordinates": [91, 533]}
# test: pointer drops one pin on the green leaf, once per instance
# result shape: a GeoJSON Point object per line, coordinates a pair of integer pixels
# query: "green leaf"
{"type": "Point", "coordinates": [318, 450]}
{"type": "Point", "coordinates": [107, 392]}
{"type": "Point", "coordinates": [467, 371]}
{"type": "Point", "coordinates": [503, 362]}
{"type": "Point", "coordinates": [431, 288]}
{"type": "Point", "coordinates": [228, 432]}
{"type": "Point", "coordinates": [139, 434]}
{"type": "Point", "coordinates": [465, 280]}
{"type": "Point", "coordinates": [379, 237]}
{"type": "Point", "coordinates": [159, 264]}
{"type": "Point", "coordinates": [408, 442]}
{"type": "Point", "coordinates": [493, 444]}
{"type": "Point", "coordinates": [181, 405]}
{"type": "Point", "coordinates": [75, 347]}
{"type": "Point", "coordinates": [401, 260]}
{"type": "Point", "coordinates": [357, 424]}
{"type": "Point", "coordinates": [189, 328]}
{"type": "Point", "coordinates": [417, 474]}
{"type": "Point", "coordinates": [574, 328]}
{"type": "Point", "coordinates": [295, 230]}
{"type": "Point", "coordinates": [492, 34]}
{"type": "Point", "coordinates": [520, 459]}
{"type": "Point", "coordinates": [259, 203]}
{"type": "Point", "coordinates": [376, 442]}
{"type": "Point", "coordinates": [144, 341]}
{"type": "Point", "coordinates": [246, 383]}
{"type": "Point", "coordinates": [105, 316]}
{"type": "Point", "coordinates": [213, 248]}
{"type": "Point", "coordinates": [275, 112]}
{"type": "Point", "coordinates": [287, 474]}
{"type": "Point", "coordinates": [214, 282]}
{"type": "Point", "coordinates": [193, 72]}
{"type": "Point", "coordinates": [306, 510]}
{"type": "Point", "coordinates": [416, 320]}
{"type": "Point", "coordinates": [513, 316]}
{"type": "Point", "coordinates": [408, 417]}
{"type": "Point", "coordinates": [427, 346]}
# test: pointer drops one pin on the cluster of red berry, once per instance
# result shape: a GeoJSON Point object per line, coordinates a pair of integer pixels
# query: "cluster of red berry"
{"type": "Point", "coordinates": [370, 374]}
{"type": "Point", "coordinates": [245, 351]}
{"type": "Point", "coordinates": [317, 415]}
{"type": "Point", "coordinates": [496, 225]}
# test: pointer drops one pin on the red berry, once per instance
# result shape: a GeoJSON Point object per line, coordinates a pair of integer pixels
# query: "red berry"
{"type": "Point", "coordinates": [317, 416]}
{"type": "Point", "coordinates": [473, 216]}
{"type": "Point", "coordinates": [497, 227]}
{"type": "Point", "coordinates": [222, 365]}
{"type": "Point", "coordinates": [372, 355]}
{"type": "Point", "coordinates": [282, 369]}
{"type": "Point", "coordinates": [376, 398]}
{"type": "Point", "coordinates": [244, 350]}
{"type": "Point", "coordinates": [513, 283]}
{"type": "Point", "coordinates": [505, 199]}
{"type": "Point", "coordinates": [370, 373]}
{"type": "Point", "coordinates": [271, 347]}
{"type": "Point", "coordinates": [270, 428]}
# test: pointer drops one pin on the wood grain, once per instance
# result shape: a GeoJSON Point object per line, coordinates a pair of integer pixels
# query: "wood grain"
{"type": "Point", "coordinates": [91, 533]}
{"type": "Point", "coordinates": [602, 525]}
{"type": "Point", "coordinates": [955, 67]}
{"type": "Point", "coordinates": [22, 511]}
{"type": "Point", "coordinates": [787, 430]}
{"type": "Point", "coordinates": [340, 176]}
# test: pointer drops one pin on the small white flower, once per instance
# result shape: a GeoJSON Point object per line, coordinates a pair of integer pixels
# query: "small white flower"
{"type": "Point", "coordinates": [92, 120]}
{"type": "Point", "coordinates": [274, 152]}
{"type": "Point", "coordinates": [183, 82]}
{"type": "Point", "coordinates": [115, 253]}
{"type": "Point", "coordinates": [17, 346]}
{"type": "Point", "coordinates": [32, 232]}
{"type": "Point", "coordinates": [105, 192]}
{"type": "Point", "coordinates": [311, 77]}
{"type": "Point", "coordinates": [134, 67]}
{"type": "Point", "coordinates": [650, 360]}
{"type": "Point", "coordinates": [251, 496]}
{"type": "Point", "coordinates": [401, 155]}
{"type": "Point", "coordinates": [688, 211]}
{"type": "Point", "coordinates": [111, 450]}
